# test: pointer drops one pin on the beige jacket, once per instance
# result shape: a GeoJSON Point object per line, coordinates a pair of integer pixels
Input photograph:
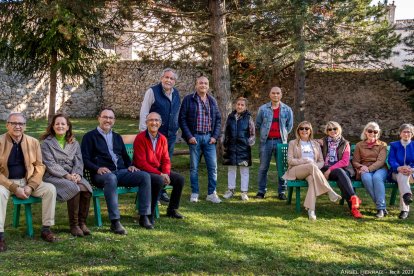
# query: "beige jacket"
{"type": "Point", "coordinates": [295, 157]}
{"type": "Point", "coordinates": [32, 160]}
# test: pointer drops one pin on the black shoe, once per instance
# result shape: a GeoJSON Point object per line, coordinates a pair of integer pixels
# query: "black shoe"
{"type": "Point", "coordinates": [260, 195]}
{"type": "Point", "coordinates": [282, 196]}
{"type": "Point", "coordinates": [380, 214]}
{"type": "Point", "coordinates": [174, 214]}
{"type": "Point", "coordinates": [3, 246]}
{"type": "Point", "coordinates": [407, 198]}
{"type": "Point", "coordinates": [117, 228]}
{"type": "Point", "coordinates": [403, 215]}
{"type": "Point", "coordinates": [144, 221]}
{"type": "Point", "coordinates": [164, 197]}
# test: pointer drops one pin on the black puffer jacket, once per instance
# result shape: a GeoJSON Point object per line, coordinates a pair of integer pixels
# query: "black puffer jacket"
{"type": "Point", "coordinates": [236, 142]}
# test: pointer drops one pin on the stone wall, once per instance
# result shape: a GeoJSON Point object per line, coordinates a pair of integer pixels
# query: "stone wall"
{"type": "Point", "coordinates": [125, 82]}
{"type": "Point", "coordinates": [32, 97]}
{"type": "Point", "coordinates": [352, 98]}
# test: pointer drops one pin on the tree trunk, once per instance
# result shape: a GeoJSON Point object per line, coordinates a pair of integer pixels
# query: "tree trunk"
{"type": "Point", "coordinates": [53, 86]}
{"type": "Point", "coordinates": [300, 75]}
{"type": "Point", "coordinates": [220, 70]}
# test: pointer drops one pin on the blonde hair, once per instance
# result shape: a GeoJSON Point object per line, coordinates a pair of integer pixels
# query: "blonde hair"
{"type": "Point", "coordinates": [373, 126]}
{"type": "Point", "coordinates": [301, 124]}
{"type": "Point", "coordinates": [332, 124]}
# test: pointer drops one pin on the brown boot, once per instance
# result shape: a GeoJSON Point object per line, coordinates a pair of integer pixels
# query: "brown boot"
{"type": "Point", "coordinates": [85, 199]}
{"type": "Point", "coordinates": [73, 210]}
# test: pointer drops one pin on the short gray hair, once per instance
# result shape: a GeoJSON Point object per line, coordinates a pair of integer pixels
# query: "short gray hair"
{"type": "Point", "coordinates": [168, 69]}
{"type": "Point", "coordinates": [410, 127]}
{"type": "Point", "coordinates": [159, 116]}
{"type": "Point", "coordinates": [16, 114]}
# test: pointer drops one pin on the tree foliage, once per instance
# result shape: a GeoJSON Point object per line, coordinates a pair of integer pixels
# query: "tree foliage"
{"type": "Point", "coordinates": [59, 37]}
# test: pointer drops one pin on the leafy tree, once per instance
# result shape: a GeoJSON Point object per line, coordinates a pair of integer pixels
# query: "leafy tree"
{"type": "Point", "coordinates": [59, 38]}
{"type": "Point", "coordinates": [312, 33]}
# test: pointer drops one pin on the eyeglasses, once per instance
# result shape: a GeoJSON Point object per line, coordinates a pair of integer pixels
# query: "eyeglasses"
{"type": "Point", "coordinates": [334, 128]}
{"type": "Point", "coordinates": [108, 117]}
{"type": "Point", "coordinates": [304, 128]}
{"type": "Point", "coordinates": [372, 131]}
{"type": "Point", "coordinates": [14, 124]}
{"type": "Point", "coordinates": [154, 120]}
{"type": "Point", "coordinates": [406, 131]}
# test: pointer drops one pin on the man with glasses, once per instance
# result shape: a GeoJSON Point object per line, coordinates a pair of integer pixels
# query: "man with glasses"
{"type": "Point", "coordinates": [274, 122]}
{"type": "Point", "coordinates": [105, 156]}
{"type": "Point", "coordinates": [164, 99]}
{"type": "Point", "coordinates": [21, 172]}
{"type": "Point", "coordinates": [151, 155]}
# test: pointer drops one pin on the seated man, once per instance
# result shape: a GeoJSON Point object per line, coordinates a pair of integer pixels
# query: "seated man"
{"type": "Point", "coordinates": [21, 172]}
{"type": "Point", "coordinates": [151, 155]}
{"type": "Point", "coordinates": [105, 156]}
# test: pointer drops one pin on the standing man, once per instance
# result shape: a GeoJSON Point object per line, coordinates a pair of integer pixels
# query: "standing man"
{"type": "Point", "coordinates": [151, 155]}
{"type": "Point", "coordinates": [200, 122]}
{"type": "Point", "coordinates": [105, 156]}
{"type": "Point", "coordinates": [164, 99]}
{"type": "Point", "coordinates": [274, 122]}
{"type": "Point", "coordinates": [21, 172]}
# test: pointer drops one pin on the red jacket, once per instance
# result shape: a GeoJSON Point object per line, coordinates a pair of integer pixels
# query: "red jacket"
{"type": "Point", "coordinates": [146, 159]}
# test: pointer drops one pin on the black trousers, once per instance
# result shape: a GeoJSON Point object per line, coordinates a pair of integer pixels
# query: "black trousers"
{"type": "Point", "coordinates": [177, 182]}
{"type": "Point", "coordinates": [344, 183]}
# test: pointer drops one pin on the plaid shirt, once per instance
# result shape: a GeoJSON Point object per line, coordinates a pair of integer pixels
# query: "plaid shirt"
{"type": "Point", "coordinates": [203, 115]}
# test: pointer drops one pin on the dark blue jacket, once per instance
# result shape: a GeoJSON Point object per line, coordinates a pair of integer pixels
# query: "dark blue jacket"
{"type": "Point", "coordinates": [188, 117]}
{"type": "Point", "coordinates": [236, 140]}
{"type": "Point", "coordinates": [396, 155]}
{"type": "Point", "coordinates": [168, 110]}
{"type": "Point", "coordinates": [95, 152]}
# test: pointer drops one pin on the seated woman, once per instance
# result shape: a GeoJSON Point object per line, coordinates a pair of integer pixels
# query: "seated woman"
{"type": "Point", "coordinates": [305, 161]}
{"type": "Point", "coordinates": [64, 169]}
{"type": "Point", "coordinates": [369, 163]}
{"type": "Point", "coordinates": [336, 152]}
{"type": "Point", "coordinates": [401, 161]}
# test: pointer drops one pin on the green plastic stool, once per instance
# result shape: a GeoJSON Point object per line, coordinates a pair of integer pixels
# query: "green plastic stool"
{"type": "Point", "coordinates": [17, 203]}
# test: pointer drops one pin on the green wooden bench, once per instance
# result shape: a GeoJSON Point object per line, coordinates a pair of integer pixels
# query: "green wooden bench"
{"type": "Point", "coordinates": [282, 166]}
{"type": "Point", "coordinates": [97, 193]}
{"type": "Point", "coordinates": [17, 203]}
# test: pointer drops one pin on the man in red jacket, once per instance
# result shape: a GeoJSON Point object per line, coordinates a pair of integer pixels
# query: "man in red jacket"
{"type": "Point", "coordinates": [151, 156]}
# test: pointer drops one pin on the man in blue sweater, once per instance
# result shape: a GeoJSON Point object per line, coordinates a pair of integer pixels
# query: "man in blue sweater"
{"type": "Point", "coordinates": [105, 156]}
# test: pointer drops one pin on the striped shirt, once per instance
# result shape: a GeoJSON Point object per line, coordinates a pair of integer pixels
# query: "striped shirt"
{"type": "Point", "coordinates": [203, 115]}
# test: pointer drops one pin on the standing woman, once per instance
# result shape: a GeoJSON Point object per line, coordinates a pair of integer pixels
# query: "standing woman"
{"type": "Point", "coordinates": [401, 161]}
{"type": "Point", "coordinates": [369, 162]}
{"type": "Point", "coordinates": [305, 161]}
{"type": "Point", "coordinates": [336, 153]}
{"type": "Point", "coordinates": [239, 137]}
{"type": "Point", "coordinates": [64, 169]}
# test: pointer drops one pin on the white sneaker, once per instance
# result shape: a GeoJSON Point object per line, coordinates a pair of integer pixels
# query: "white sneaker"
{"type": "Point", "coordinates": [244, 196]}
{"type": "Point", "coordinates": [311, 214]}
{"type": "Point", "coordinates": [228, 194]}
{"type": "Point", "coordinates": [194, 198]}
{"type": "Point", "coordinates": [213, 198]}
{"type": "Point", "coordinates": [334, 197]}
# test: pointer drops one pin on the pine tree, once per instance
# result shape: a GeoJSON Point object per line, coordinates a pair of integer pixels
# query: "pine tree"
{"type": "Point", "coordinates": [59, 38]}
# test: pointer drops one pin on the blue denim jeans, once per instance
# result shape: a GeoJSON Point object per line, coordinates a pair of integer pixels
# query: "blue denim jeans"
{"type": "Point", "coordinates": [171, 144]}
{"type": "Point", "coordinates": [210, 156]}
{"type": "Point", "coordinates": [267, 150]}
{"type": "Point", "coordinates": [124, 178]}
{"type": "Point", "coordinates": [374, 184]}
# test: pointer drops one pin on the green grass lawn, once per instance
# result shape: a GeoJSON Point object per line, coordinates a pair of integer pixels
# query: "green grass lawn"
{"type": "Point", "coordinates": [255, 237]}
